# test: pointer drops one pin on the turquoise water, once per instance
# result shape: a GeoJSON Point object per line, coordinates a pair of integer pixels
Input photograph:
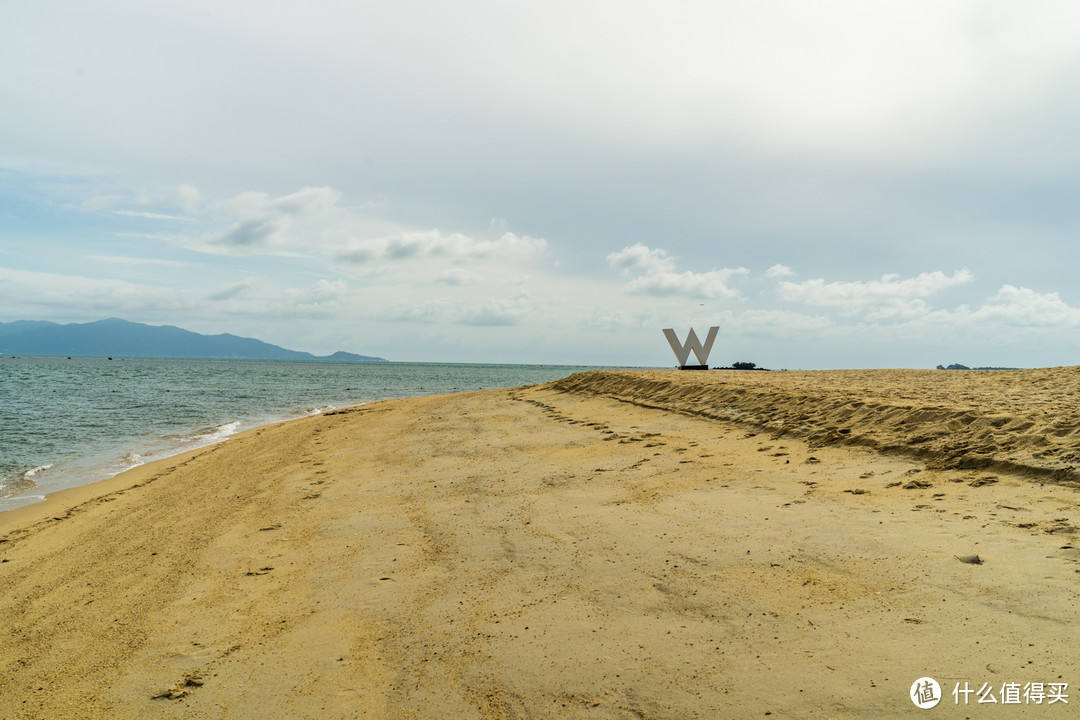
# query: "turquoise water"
{"type": "Point", "coordinates": [67, 422]}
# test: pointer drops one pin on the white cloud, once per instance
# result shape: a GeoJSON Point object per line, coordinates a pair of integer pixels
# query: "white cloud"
{"type": "Point", "coordinates": [232, 291]}
{"type": "Point", "coordinates": [266, 221]}
{"type": "Point", "coordinates": [779, 271]}
{"type": "Point", "coordinates": [498, 311]}
{"type": "Point", "coordinates": [185, 198]}
{"type": "Point", "coordinates": [132, 260]}
{"type": "Point", "coordinates": [418, 311]}
{"type": "Point", "coordinates": [148, 215]}
{"type": "Point", "coordinates": [609, 320]}
{"type": "Point", "coordinates": [101, 202]}
{"type": "Point", "coordinates": [490, 312]}
{"type": "Point", "coordinates": [306, 201]}
{"type": "Point", "coordinates": [457, 277]}
{"type": "Point", "coordinates": [189, 199]}
{"type": "Point", "coordinates": [656, 275]}
{"type": "Point", "coordinates": [320, 292]}
{"type": "Point", "coordinates": [258, 233]}
{"type": "Point", "coordinates": [889, 297]}
{"type": "Point", "coordinates": [27, 294]}
{"type": "Point", "coordinates": [1019, 306]}
{"type": "Point", "coordinates": [638, 257]}
{"type": "Point", "coordinates": [436, 244]}
{"type": "Point", "coordinates": [712, 284]}
{"type": "Point", "coordinates": [256, 223]}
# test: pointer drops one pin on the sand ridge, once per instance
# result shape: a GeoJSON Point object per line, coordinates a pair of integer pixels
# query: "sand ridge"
{"type": "Point", "coordinates": [1023, 421]}
{"type": "Point", "coordinates": [535, 553]}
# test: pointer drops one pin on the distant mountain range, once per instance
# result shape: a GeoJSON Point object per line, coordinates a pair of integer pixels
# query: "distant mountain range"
{"type": "Point", "coordinates": [121, 338]}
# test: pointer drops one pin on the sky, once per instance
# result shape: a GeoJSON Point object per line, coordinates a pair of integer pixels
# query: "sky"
{"type": "Point", "coordinates": [835, 184]}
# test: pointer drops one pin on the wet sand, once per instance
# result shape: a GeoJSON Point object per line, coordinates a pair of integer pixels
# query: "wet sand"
{"type": "Point", "coordinates": [613, 545]}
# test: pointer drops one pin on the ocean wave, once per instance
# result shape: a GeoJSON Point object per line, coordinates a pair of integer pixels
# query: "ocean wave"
{"type": "Point", "coordinates": [34, 471]}
{"type": "Point", "coordinates": [22, 482]}
{"type": "Point", "coordinates": [211, 435]}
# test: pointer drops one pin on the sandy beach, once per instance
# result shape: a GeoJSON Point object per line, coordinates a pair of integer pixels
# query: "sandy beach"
{"type": "Point", "coordinates": [617, 544]}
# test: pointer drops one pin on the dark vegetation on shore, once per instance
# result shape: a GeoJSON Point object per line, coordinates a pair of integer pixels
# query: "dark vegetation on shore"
{"type": "Point", "coordinates": [742, 366]}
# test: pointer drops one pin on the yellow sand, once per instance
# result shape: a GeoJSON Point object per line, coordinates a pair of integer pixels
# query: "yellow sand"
{"type": "Point", "coordinates": [614, 545]}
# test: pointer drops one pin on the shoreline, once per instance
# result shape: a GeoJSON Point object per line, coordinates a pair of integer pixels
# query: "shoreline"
{"type": "Point", "coordinates": [63, 502]}
{"type": "Point", "coordinates": [549, 551]}
{"type": "Point", "coordinates": [88, 420]}
{"type": "Point", "coordinates": [73, 471]}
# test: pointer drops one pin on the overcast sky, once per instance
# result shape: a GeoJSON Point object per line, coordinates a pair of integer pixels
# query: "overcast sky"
{"type": "Point", "coordinates": [832, 183]}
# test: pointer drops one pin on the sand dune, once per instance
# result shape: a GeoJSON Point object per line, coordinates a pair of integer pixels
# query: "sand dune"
{"type": "Point", "coordinates": [613, 545]}
{"type": "Point", "coordinates": [1021, 421]}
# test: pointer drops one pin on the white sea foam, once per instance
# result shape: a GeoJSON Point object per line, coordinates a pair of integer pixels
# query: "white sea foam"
{"type": "Point", "coordinates": [19, 489]}
{"type": "Point", "coordinates": [221, 432]}
{"type": "Point", "coordinates": [209, 435]}
{"type": "Point", "coordinates": [34, 471]}
{"type": "Point", "coordinates": [131, 460]}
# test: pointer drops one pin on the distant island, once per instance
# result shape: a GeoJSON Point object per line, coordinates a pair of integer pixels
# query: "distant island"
{"type": "Point", "coordinates": [122, 338]}
{"type": "Point", "coordinates": [742, 366]}
{"type": "Point", "coordinates": [958, 366]}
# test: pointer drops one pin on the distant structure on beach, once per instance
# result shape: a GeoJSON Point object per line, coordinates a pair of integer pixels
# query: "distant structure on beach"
{"type": "Point", "coordinates": [743, 366]}
{"type": "Point", "coordinates": [682, 350]}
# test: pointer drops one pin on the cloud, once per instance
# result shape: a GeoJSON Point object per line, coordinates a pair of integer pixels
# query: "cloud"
{"type": "Point", "coordinates": [320, 292]}
{"type": "Point", "coordinates": [189, 199]}
{"type": "Point", "coordinates": [657, 276]}
{"type": "Point", "coordinates": [262, 224]}
{"type": "Point", "coordinates": [457, 277]}
{"type": "Point", "coordinates": [614, 320]}
{"type": "Point", "coordinates": [435, 244]}
{"type": "Point", "coordinates": [419, 311]}
{"type": "Point", "coordinates": [306, 201]}
{"type": "Point", "coordinates": [185, 198]}
{"type": "Point", "coordinates": [228, 293]}
{"type": "Point", "coordinates": [131, 260]}
{"type": "Point", "coordinates": [72, 297]}
{"type": "Point", "coordinates": [265, 232]}
{"type": "Point", "coordinates": [148, 215]}
{"type": "Point", "coordinates": [881, 299]}
{"type": "Point", "coordinates": [1019, 306]}
{"type": "Point", "coordinates": [638, 257]}
{"type": "Point", "coordinates": [779, 271]}
{"type": "Point", "coordinates": [101, 202]}
{"type": "Point", "coordinates": [493, 312]}
{"type": "Point", "coordinates": [498, 311]}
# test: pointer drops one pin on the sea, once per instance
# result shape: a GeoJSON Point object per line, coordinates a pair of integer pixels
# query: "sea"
{"type": "Point", "coordinates": [66, 422]}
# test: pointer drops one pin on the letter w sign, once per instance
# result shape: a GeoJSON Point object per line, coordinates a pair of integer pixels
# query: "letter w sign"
{"type": "Point", "coordinates": [682, 350]}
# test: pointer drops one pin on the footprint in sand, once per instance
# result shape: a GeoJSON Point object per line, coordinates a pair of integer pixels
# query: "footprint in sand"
{"type": "Point", "coordinates": [181, 689]}
{"type": "Point", "coordinates": [979, 482]}
{"type": "Point", "coordinates": [260, 571]}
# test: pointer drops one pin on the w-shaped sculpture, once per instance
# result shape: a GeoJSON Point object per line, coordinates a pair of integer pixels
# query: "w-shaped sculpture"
{"type": "Point", "coordinates": [682, 350]}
